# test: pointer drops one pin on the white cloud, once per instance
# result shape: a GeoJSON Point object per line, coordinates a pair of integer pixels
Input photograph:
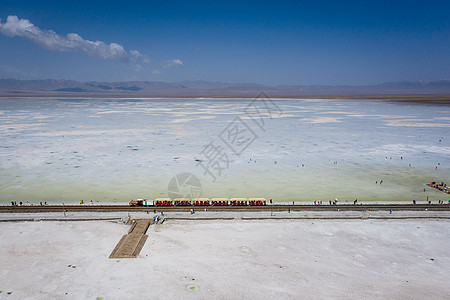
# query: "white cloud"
{"type": "Point", "coordinates": [138, 57]}
{"type": "Point", "coordinates": [138, 68]}
{"type": "Point", "coordinates": [173, 63]}
{"type": "Point", "coordinates": [71, 42]}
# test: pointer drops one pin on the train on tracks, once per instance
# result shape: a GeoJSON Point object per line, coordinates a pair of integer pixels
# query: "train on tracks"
{"type": "Point", "coordinates": [200, 202]}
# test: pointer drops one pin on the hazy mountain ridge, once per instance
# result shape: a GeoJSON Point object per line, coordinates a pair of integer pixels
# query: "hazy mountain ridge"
{"type": "Point", "coordinates": [61, 87]}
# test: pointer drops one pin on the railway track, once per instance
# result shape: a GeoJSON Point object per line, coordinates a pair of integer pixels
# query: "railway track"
{"type": "Point", "coordinates": [274, 208]}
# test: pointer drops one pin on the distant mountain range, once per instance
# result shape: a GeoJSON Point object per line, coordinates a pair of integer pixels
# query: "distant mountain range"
{"type": "Point", "coordinates": [70, 88]}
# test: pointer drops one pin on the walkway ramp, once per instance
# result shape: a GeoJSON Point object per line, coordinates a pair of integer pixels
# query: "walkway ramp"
{"type": "Point", "coordinates": [130, 245]}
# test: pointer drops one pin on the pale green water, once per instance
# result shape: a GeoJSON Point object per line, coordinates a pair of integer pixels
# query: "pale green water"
{"type": "Point", "coordinates": [116, 150]}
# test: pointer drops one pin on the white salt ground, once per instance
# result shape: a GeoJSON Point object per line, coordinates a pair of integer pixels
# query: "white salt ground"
{"type": "Point", "coordinates": [236, 259]}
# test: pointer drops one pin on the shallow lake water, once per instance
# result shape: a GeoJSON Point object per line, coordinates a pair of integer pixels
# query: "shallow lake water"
{"type": "Point", "coordinates": [296, 149]}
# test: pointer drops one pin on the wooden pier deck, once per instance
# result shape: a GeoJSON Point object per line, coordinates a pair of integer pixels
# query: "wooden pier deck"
{"type": "Point", "coordinates": [130, 245]}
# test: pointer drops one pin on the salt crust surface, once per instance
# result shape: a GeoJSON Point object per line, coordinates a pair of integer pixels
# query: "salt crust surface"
{"type": "Point", "coordinates": [228, 259]}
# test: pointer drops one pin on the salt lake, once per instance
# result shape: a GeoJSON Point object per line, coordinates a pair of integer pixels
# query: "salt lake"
{"type": "Point", "coordinates": [63, 150]}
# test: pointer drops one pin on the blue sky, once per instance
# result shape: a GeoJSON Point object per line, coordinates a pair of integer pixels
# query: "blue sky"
{"type": "Point", "coordinates": [267, 42]}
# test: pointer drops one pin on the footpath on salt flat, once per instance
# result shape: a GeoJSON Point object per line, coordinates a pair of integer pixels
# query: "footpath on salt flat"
{"type": "Point", "coordinates": [202, 214]}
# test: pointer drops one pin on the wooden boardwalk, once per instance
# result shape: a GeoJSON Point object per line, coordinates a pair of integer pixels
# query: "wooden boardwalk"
{"type": "Point", "coordinates": [130, 245]}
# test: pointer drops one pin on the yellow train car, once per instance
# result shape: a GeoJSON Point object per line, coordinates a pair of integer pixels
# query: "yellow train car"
{"type": "Point", "coordinates": [200, 201]}
{"type": "Point", "coordinates": [257, 201]}
{"type": "Point", "coordinates": [163, 202]}
{"type": "Point", "coordinates": [182, 201]}
{"type": "Point", "coordinates": [219, 201]}
{"type": "Point", "coordinates": [238, 201]}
